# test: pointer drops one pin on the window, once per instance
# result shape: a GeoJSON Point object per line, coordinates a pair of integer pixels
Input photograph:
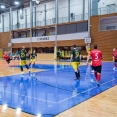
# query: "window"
{"type": "Point", "coordinates": [108, 23]}
{"type": "Point", "coordinates": [110, 28]}
{"type": "Point", "coordinates": [111, 8]}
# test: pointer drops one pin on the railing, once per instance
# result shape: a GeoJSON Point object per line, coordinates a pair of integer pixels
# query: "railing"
{"type": "Point", "coordinates": [101, 11]}
{"type": "Point", "coordinates": [48, 22]}
{"type": "Point", "coordinates": [107, 10]}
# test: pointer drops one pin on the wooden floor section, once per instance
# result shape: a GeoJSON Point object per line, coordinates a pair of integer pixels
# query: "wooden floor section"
{"type": "Point", "coordinates": [102, 105]}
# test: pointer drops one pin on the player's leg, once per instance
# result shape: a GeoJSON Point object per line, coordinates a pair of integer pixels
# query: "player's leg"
{"type": "Point", "coordinates": [75, 67]}
{"type": "Point", "coordinates": [33, 63]}
{"type": "Point", "coordinates": [98, 74]}
{"type": "Point", "coordinates": [30, 62]}
{"type": "Point", "coordinates": [78, 69]}
{"type": "Point", "coordinates": [26, 66]}
{"type": "Point", "coordinates": [21, 67]}
{"type": "Point", "coordinates": [92, 70]}
{"type": "Point", "coordinates": [95, 72]}
{"type": "Point", "coordinates": [9, 63]}
{"type": "Point", "coordinates": [115, 65]}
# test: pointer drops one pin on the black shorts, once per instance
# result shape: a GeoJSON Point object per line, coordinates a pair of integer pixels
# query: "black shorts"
{"type": "Point", "coordinates": [97, 69]}
{"type": "Point", "coordinates": [115, 60]}
{"type": "Point", "coordinates": [8, 61]}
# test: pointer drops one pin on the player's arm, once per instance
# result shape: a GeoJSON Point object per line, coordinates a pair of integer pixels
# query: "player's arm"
{"type": "Point", "coordinates": [113, 58]}
{"type": "Point", "coordinates": [36, 56]}
{"type": "Point", "coordinates": [88, 57]}
{"type": "Point", "coordinates": [19, 56]}
{"type": "Point", "coordinates": [80, 56]}
{"type": "Point", "coordinates": [71, 57]}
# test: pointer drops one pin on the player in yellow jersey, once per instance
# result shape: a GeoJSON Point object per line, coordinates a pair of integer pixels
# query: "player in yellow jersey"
{"type": "Point", "coordinates": [62, 54]}
{"type": "Point", "coordinates": [33, 56]}
{"type": "Point", "coordinates": [75, 59]}
{"type": "Point", "coordinates": [68, 54]}
{"type": "Point", "coordinates": [22, 56]}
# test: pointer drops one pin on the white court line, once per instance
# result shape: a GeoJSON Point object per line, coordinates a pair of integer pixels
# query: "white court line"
{"type": "Point", "coordinates": [28, 97]}
{"type": "Point", "coordinates": [85, 91]}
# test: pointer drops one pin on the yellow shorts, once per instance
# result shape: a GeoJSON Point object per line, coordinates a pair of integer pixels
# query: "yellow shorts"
{"type": "Point", "coordinates": [22, 62]}
{"type": "Point", "coordinates": [75, 65]}
{"type": "Point", "coordinates": [32, 60]}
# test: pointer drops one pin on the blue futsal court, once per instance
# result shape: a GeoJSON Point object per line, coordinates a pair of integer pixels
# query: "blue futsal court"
{"type": "Point", "coordinates": [54, 90]}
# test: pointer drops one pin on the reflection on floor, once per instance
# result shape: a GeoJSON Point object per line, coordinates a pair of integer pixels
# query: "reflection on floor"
{"type": "Point", "coordinates": [54, 90]}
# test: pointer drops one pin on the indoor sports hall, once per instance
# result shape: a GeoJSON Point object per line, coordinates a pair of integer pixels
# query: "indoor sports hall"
{"type": "Point", "coordinates": [38, 65]}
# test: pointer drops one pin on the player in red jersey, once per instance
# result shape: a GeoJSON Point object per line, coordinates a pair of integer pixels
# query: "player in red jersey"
{"type": "Point", "coordinates": [115, 59]}
{"type": "Point", "coordinates": [7, 58]}
{"type": "Point", "coordinates": [96, 63]}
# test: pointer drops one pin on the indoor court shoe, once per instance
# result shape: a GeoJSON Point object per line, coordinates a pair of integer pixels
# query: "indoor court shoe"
{"type": "Point", "coordinates": [22, 73]}
{"type": "Point", "coordinates": [115, 69]}
{"type": "Point", "coordinates": [76, 79]}
{"type": "Point", "coordinates": [92, 71]}
{"type": "Point", "coordinates": [98, 84]}
{"type": "Point", "coordinates": [29, 71]}
{"type": "Point", "coordinates": [13, 68]}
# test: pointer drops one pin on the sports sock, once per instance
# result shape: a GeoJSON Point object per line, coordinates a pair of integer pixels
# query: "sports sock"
{"type": "Point", "coordinates": [78, 73]}
{"type": "Point", "coordinates": [21, 68]}
{"type": "Point", "coordinates": [98, 77]}
{"type": "Point", "coordinates": [33, 64]}
{"type": "Point", "coordinates": [115, 65]}
{"type": "Point", "coordinates": [95, 75]}
{"type": "Point", "coordinates": [27, 66]}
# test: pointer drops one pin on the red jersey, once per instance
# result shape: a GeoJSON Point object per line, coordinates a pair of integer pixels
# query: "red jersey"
{"type": "Point", "coordinates": [5, 56]}
{"type": "Point", "coordinates": [96, 57]}
{"type": "Point", "coordinates": [115, 54]}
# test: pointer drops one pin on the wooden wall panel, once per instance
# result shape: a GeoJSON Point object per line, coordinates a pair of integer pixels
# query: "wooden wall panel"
{"type": "Point", "coordinates": [34, 44]}
{"type": "Point", "coordinates": [71, 42]}
{"type": "Point", "coordinates": [106, 40]}
{"type": "Point", "coordinates": [4, 39]}
{"type": "Point", "coordinates": [51, 43]}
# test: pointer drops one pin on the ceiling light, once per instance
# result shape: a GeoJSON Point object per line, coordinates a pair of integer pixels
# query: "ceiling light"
{"type": "Point", "coordinates": [2, 6]}
{"type": "Point", "coordinates": [37, 1]}
{"type": "Point", "coordinates": [16, 2]}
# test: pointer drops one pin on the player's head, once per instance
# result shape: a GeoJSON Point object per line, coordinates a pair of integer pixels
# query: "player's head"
{"type": "Point", "coordinates": [5, 52]}
{"type": "Point", "coordinates": [114, 49]}
{"type": "Point", "coordinates": [95, 46]}
{"type": "Point", "coordinates": [34, 51]}
{"type": "Point", "coordinates": [74, 46]}
{"type": "Point", "coordinates": [22, 48]}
